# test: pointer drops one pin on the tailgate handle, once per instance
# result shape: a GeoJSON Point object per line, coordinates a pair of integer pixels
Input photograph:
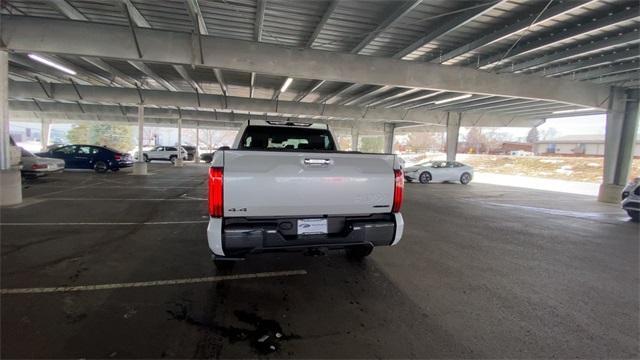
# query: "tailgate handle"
{"type": "Point", "coordinates": [317, 162]}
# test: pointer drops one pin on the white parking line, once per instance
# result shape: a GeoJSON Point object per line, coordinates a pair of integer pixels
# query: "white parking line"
{"type": "Point", "coordinates": [104, 223]}
{"type": "Point", "coordinates": [43, 290]}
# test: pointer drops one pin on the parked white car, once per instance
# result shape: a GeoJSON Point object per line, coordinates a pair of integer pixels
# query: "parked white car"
{"type": "Point", "coordinates": [33, 165]}
{"type": "Point", "coordinates": [631, 199]}
{"type": "Point", "coordinates": [439, 171]}
{"type": "Point", "coordinates": [166, 153]}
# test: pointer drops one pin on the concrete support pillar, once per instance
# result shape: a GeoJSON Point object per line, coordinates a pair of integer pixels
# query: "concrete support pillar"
{"type": "Point", "coordinates": [179, 161]}
{"type": "Point", "coordinates": [197, 155]}
{"type": "Point", "coordinates": [621, 128]}
{"type": "Point", "coordinates": [355, 135]}
{"type": "Point", "coordinates": [453, 131]}
{"type": "Point", "coordinates": [45, 131]}
{"type": "Point", "coordinates": [388, 138]}
{"type": "Point", "coordinates": [10, 179]}
{"type": "Point", "coordinates": [140, 166]}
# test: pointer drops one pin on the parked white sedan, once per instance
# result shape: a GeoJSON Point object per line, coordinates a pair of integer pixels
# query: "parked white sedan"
{"type": "Point", "coordinates": [33, 165]}
{"type": "Point", "coordinates": [439, 171]}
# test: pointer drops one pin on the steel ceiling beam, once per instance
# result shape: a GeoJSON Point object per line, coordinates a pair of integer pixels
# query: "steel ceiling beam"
{"type": "Point", "coordinates": [259, 23]}
{"type": "Point", "coordinates": [33, 75]}
{"type": "Point", "coordinates": [532, 107]}
{"type": "Point", "coordinates": [453, 104]}
{"type": "Point", "coordinates": [343, 90]}
{"type": "Point", "coordinates": [579, 50]}
{"type": "Point", "coordinates": [387, 98]}
{"type": "Point", "coordinates": [513, 29]}
{"type": "Point", "coordinates": [566, 34]}
{"type": "Point", "coordinates": [325, 17]}
{"type": "Point", "coordinates": [118, 75]}
{"type": "Point", "coordinates": [252, 84]}
{"type": "Point", "coordinates": [541, 110]}
{"type": "Point", "coordinates": [25, 34]}
{"type": "Point", "coordinates": [103, 94]}
{"type": "Point", "coordinates": [61, 76]}
{"type": "Point", "coordinates": [151, 74]}
{"type": "Point", "coordinates": [64, 112]}
{"type": "Point", "coordinates": [140, 21]}
{"type": "Point", "coordinates": [196, 15]}
{"type": "Point", "coordinates": [28, 111]}
{"type": "Point", "coordinates": [68, 10]}
{"type": "Point", "coordinates": [315, 86]}
{"type": "Point", "coordinates": [375, 92]}
{"type": "Point", "coordinates": [414, 98]}
{"type": "Point", "coordinates": [589, 63]}
{"type": "Point", "coordinates": [619, 78]}
{"type": "Point", "coordinates": [402, 10]}
{"type": "Point", "coordinates": [604, 71]}
{"type": "Point", "coordinates": [221, 82]}
{"type": "Point", "coordinates": [136, 16]}
{"type": "Point", "coordinates": [185, 75]}
{"type": "Point", "coordinates": [446, 27]}
{"type": "Point", "coordinates": [490, 104]}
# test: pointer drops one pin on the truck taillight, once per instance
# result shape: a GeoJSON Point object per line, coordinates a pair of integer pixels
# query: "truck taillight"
{"type": "Point", "coordinates": [398, 191]}
{"type": "Point", "coordinates": [215, 191]}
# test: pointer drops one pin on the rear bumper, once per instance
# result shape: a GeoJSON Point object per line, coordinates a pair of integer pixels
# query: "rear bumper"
{"type": "Point", "coordinates": [239, 237]}
{"type": "Point", "coordinates": [125, 164]}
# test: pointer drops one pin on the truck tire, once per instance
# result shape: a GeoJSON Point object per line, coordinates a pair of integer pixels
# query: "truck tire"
{"type": "Point", "coordinates": [146, 158]}
{"type": "Point", "coordinates": [634, 215]}
{"type": "Point", "coordinates": [359, 252]}
{"type": "Point", "coordinates": [173, 159]}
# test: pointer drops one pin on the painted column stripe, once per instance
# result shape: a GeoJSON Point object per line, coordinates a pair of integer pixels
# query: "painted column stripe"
{"type": "Point", "coordinates": [43, 290]}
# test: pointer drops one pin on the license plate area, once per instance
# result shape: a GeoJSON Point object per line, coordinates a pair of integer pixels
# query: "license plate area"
{"type": "Point", "coordinates": [312, 226]}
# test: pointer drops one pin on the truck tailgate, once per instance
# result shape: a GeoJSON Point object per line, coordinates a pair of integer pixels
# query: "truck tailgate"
{"type": "Point", "coordinates": [270, 183]}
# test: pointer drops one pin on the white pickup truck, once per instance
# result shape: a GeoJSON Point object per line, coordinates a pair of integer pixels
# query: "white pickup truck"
{"type": "Point", "coordinates": [284, 186]}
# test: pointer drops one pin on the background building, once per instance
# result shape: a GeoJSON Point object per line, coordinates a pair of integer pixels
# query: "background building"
{"type": "Point", "coordinates": [577, 145]}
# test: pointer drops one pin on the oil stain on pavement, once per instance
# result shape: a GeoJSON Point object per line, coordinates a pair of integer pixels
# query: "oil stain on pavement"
{"type": "Point", "coordinates": [265, 336]}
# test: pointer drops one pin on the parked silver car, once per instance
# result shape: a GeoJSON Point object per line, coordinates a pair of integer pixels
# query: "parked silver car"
{"type": "Point", "coordinates": [631, 199]}
{"type": "Point", "coordinates": [439, 171]}
{"type": "Point", "coordinates": [33, 165]}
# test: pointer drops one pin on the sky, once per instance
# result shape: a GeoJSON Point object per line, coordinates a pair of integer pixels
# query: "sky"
{"type": "Point", "coordinates": [577, 125]}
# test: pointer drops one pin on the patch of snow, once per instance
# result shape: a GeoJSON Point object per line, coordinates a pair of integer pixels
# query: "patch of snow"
{"type": "Point", "coordinates": [564, 171]}
{"type": "Point", "coordinates": [551, 161]}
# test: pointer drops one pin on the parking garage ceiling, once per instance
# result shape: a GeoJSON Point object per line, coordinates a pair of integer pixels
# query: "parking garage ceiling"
{"type": "Point", "coordinates": [502, 50]}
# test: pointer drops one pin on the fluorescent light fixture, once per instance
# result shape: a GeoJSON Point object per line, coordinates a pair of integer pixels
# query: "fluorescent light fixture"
{"type": "Point", "coordinates": [452, 99]}
{"type": "Point", "coordinates": [286, 84]}
{"type": "Point", "coordinates": [572, 111]}
{"type": "Point", "coordinates": [52, 64]}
